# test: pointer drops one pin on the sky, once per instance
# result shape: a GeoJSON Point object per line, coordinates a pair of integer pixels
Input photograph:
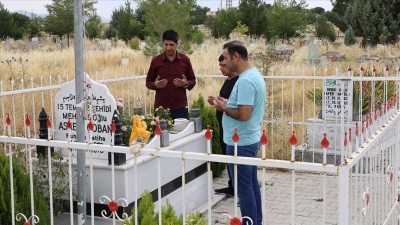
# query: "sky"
{"type": "Point", "coordinates": [105, 7]}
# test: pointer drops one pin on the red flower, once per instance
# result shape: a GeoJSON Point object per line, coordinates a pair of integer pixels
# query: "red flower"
{"type": "Point", "coordinates": [27, 223]}
{"type": "Point", "coordinates": [235, 221]}
{"type": "Point", "coordinates": [113, 206]}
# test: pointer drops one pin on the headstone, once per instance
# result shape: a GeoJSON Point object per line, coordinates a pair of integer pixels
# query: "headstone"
{"type": "Point", "coordinates": [337, 97]}
{"type": "Point", "coordinates": [312, 51]}
{"type": "Point", "coordinates": [35, 45]}
{"type": "Point", "coordinates": [142, 44]}
{"type": "Point", "coordinates": [7, 45]}
{"type": "Point", "coordinates": [101, 105]}
{"type": "Point", "coordinates": [18, 44]}
{"type": "Point", "coordinates": [100, 47]}
{"type": "Point", "coordinates": [125, 61]}
{"type": "Point", "coordinates": [64, 43]}
{"type": "Point", "coordinates": [108, 44]}
{"type": "Point", "coordinates": [57, 46]}
{"type": "Point", "coordinates": [252, 46]}
{"type": "Point", "coordinates": [28, 46]}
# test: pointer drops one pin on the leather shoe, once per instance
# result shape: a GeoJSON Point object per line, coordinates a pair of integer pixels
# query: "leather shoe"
{"type": "Point", "coordinates": [227, 191]}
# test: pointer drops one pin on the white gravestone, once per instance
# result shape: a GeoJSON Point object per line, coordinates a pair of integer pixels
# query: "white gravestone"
{"type": "Point", "coordinates": [100, 107]}
{"type": "Point", "coordinates": [337, 97]}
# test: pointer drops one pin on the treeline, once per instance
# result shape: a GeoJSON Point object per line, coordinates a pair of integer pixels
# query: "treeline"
{"type": "Point", "coordinates": [377, 21]}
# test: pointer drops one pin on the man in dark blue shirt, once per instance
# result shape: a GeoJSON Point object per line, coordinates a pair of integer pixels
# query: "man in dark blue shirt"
{"type": "Point", "coordinates": [225, 92]}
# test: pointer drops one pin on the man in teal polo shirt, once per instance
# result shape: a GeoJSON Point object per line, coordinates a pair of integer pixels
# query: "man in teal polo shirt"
{"type": "Point", "coordinates": [244, 110]}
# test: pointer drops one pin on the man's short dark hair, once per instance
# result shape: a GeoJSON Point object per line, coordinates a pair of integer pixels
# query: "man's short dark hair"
{"type": "Point", "coordinates": [221, 58]}
{"type": "Point", "coordinates": [236, 46]}
{"type": "Point", "coordinates": [170, 35]}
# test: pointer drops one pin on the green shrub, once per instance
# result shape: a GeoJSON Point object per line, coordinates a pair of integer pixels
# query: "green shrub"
{"type": "Point", "coordinates": [60, 182]}
{"type": "Point", "coordinates": [134, 44]}
{"type": "Point", "coordinates": [349, 37]}
{"type": "Point", "coordinates": [208, 117]}
{"type": "Point", "coordinates": [22, 197]}
{"type": "Point", "coordinates": [146, 214]}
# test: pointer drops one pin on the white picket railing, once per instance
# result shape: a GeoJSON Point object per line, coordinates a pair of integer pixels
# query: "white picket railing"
{"type": "Point", "coordinates": [364, 159]}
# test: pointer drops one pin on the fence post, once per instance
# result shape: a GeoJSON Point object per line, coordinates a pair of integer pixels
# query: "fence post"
{"type": "Point", "coordinates": [119, 158]}
{"type": "Point", "coordinates": [343, 193]}
{"type": "Point", "coordinates": [43, 134]}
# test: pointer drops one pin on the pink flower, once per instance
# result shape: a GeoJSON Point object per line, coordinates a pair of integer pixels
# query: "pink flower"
{"type": "Point", "coordinates": [120, 102]}
{"type": "Point", "coordinates": [123, 128]}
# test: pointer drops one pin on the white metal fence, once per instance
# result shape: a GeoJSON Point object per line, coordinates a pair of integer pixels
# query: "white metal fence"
{"type": "Point", "coordinates": [362, 156]}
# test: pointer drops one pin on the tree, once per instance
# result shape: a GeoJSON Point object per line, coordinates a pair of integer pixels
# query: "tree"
{"type": "Point", "coordinates": [211, 23]}
{"type": "Point", "coordinates": [349, 37]}
{"type": "Point", "coordinates": [7, 26]}
{"type": "Point", "coordinates": [93, 27]}
{"type": "Point", "coordinates": [337, 20]}
{"type": "Point", "coordinates": [369, 17]}
{"type": "Point", "coordinates": [318, 10]}
{"type": "Point", "coordinates": [60, 20]}
{"type": "Point", "coordinates": [340, 6]}
{"type": "Point", "coordinates": [287, 19]}
{"type": "Point", "coordinates": [35, 27]}
{"type": "Point", "coordinates": [178, 14]}
{"type": "Point", "coordinates": [226, 22]}
{"type": "Point", "coordinates": [22, 23]}
{"type": "Point", "coordinates": [124, 23]}
{"type": "Point", "coordinates": [324, 29]}
{"type": "Point", "coordinates": [198, 14]}
{"type": "Point", "coordinates": [257, 22]}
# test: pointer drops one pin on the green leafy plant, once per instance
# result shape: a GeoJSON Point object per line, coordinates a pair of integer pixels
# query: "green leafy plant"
{"type": "Point", "coordinates": [146, 214]}
{"type": "Point", "coordinates": [22, 195]}
{"type": "Point", "coordinates": [60, 181]}
{"type": "Point", "coordinates": [368, 95]}
{"type": "Point", "coordinates": [208, 117]}
{"type": "Point", "coordinates": [126, 122]}
{"type": "Point", "coordinates": [316, 96]}
{"type": "Point", "coordinates": [134, 44]}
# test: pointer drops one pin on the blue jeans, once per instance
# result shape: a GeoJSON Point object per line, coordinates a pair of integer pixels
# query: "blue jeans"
{"type": "Point", "coordinates": [248, 188]}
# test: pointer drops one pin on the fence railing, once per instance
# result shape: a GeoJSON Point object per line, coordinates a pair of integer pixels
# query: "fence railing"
{"type": "Point", "coordinates": [361, 155]}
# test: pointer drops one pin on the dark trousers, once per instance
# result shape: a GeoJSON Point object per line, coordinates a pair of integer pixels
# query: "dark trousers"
{"type": "Point", "coordinates": [223, 149]}
{"type": "Point", "coordinates": [180, 113]}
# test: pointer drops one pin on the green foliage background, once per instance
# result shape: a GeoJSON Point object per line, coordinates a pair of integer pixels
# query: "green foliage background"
{"type": "Point", "coordinates": [22, 198]}
{"type": "Point", "coordinates": [146, 214]}
{"type": "Point", "coordinates": [208, 117]}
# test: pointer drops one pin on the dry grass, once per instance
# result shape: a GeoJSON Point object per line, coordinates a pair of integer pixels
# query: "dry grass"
{"type": "Point", "coordinates": [286, 98]}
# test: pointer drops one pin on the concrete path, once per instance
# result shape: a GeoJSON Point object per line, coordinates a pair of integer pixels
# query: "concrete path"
{"type": "Point", "coordinates": [308, 204]}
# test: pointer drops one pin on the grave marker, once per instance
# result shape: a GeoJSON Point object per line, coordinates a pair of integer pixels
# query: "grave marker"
{"type": "Point", "coordinates": [7, 45]}
{"type": "Point", "coordinates": [101, 106]}
{"type": "Point", "coordinates": [338, 90]}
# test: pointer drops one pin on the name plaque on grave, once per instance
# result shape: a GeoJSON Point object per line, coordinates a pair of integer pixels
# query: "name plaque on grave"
{"type": "Point", "coordinates": [100, 107]}
{"type": "Point", "coordinates": [337, 97]}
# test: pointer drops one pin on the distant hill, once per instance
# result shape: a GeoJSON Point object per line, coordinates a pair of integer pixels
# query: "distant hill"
{"type": "Point", "coordinates": [30, 15]}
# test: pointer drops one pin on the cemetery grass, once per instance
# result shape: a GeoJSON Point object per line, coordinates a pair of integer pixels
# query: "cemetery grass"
{"type": "Point", "coordinates": [59, 65]}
